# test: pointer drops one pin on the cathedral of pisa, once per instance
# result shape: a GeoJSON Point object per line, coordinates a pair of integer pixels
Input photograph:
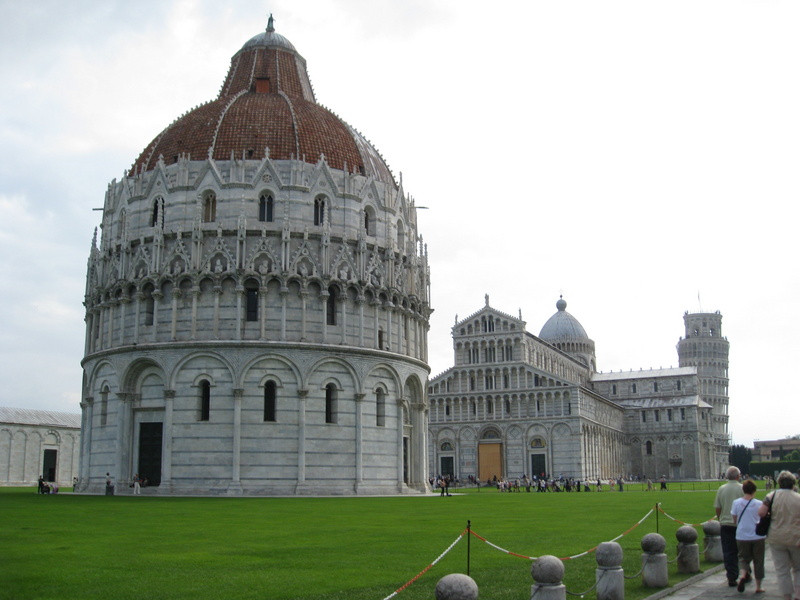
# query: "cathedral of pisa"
{"type": "Point", "coordinates": [257, 306]}
{"type": "Point", "coordinates": [257, 315]}
{"type": "Point", "coordinates": [516, 403]}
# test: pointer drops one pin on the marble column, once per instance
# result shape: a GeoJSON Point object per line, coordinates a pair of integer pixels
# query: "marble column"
{"type": "Point", "coordinates": [87, 415]}
{"type": "Point", "coordinates": [235, 487]}
{"type": "Point", "coordinates": [166, 459]}
{"type": "Point", "coordinates": [359, 398]}
{"type": "Point", "coordinates": [157, 297]}
{"type": "Point", "coordinates": [173, 334]}
{"type": "Point", "coordinates": [400, 434]}
{"type": "Point", "coordinates": [302, 394]}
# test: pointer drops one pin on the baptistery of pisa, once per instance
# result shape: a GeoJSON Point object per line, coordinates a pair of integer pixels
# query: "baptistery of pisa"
{"type": "Point", "coordinates": [257, 304]}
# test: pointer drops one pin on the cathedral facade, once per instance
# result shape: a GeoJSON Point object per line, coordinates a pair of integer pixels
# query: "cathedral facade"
{"type": "Point", "coordinates": [257, 306]}
{"type": "Point", "coordinates": [515, 403]}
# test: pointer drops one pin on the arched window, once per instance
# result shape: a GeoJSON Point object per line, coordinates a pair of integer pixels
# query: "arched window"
{"type": "Point", "coordinates": [104, 406]}
{"type": "Point", "coordinates": [123, 216]}
{"type": "Point", "coordinates": [251, 300]}
{"type": "Point", "coordinates": [149, 306]}
{"type": "Point", "coordinates": [209, 207]}
{"type": "Point", "coordinates": [401, 236]}
{"type": "Point", "coordinates": [270, 396]}
{"type": "Point", "coordinates": [380, 408]}
{"type": "Point", "coordinates": [266, 208]}
{"type": "Point", "coordinates": [331, 306]}
{"type": "Point", "coordinates": [205, 400]}
{"type": "Point", "coordinates": [330, 403]}
{"type": "Point", "coordinates": [370, 222]}
{"type": "Point", "coordinates": [380, 338]}
{"type": "Point", "coordinates": [648, 447]}
{"type": "Point", "coordinates": [319, 210]}
{"type": "Point", "coordinates": [157, 217]}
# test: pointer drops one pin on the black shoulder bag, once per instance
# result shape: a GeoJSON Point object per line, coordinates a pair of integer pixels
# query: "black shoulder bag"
{"type": "Point", "coordinates": [762, 527]}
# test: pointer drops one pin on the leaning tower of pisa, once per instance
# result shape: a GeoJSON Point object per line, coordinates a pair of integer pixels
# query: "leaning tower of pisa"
{"type": "Point", "coordinates": [703, 346]}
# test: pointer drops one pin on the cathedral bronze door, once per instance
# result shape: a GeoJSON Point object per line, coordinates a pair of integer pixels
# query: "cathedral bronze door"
{"type": "Point", "coordinates": [490, 461]}
{"type": "Point", "coordinates": [538, 465]}
{"type": "Point", "coordinates": [150, 442]}
{"type": "Point", "coordinates": [447, 464]}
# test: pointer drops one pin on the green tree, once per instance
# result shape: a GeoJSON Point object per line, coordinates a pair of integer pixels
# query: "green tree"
{"type": "Point", "coordinates": [740, 456]}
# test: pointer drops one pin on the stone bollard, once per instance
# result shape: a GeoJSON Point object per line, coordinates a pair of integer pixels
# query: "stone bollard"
{"type": "Point", "coordinates": [456, 587]}
{"type": "Point", "coordinates": [654, 561]}
{"type": "Point", "coordinates": [609, 574]}
{"type": "Point", "coordinates": [548, 571]}
{"type": "Point", "coordinates": [688, 550]}
{"type": "Point", "coordinates": [713, 551]}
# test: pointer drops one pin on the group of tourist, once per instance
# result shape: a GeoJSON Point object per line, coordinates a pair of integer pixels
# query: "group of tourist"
{"type": "Point", "coordinates": [743, 549]}
{"type": "Point", "coordinates": [544, 483]}
{"type": "Point", "coordinates": [47, 487]}
{"type": "Point", "coordinates": [536, 483]}
{"type": "Point", "coordinates": [443, 483]}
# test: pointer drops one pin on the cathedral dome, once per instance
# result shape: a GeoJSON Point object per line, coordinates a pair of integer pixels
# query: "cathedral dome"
{"type": "Point", "coordinates": [266, 106]}
{"type": "Point", "coordinates": [562, 325]}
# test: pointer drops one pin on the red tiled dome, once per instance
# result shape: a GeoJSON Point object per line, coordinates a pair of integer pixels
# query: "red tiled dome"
{"type": "Point", "coordinates": [266, 101]}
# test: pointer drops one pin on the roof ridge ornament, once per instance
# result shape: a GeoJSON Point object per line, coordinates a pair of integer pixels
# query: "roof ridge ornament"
{"type": "Point", "coordinates": [270, 25]}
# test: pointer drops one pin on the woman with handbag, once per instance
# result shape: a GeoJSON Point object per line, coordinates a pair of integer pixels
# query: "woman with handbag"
{"type": "Point", "coordinates": [749, 543]}
{"type": "Point", "coordinates": [784, 534]}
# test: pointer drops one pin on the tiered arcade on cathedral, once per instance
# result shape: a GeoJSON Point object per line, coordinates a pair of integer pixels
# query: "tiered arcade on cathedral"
{"type": "Point", "coordinates": [515, 403]}
{"type": "Point", "coordinates": [257, 308]}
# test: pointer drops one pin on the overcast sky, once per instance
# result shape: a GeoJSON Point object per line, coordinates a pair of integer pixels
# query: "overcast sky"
{"type": "Point", "coordinates": [640, 158]}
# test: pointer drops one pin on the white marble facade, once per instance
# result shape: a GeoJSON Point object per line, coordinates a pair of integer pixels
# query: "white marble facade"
{"type": "Point", "coordinates": [257, 318]}
{"type": "Point", "coordinates": [515, 403]}
{"type": "Point", "coordinates": [36, 443]}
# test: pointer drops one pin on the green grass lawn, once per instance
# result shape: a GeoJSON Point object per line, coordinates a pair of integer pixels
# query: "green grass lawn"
{"type": "Point", "coordinates": [121, 547]}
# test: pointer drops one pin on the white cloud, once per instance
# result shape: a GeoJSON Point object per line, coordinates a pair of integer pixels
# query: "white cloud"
{"type": "Point", "coordinates": [630, 154]}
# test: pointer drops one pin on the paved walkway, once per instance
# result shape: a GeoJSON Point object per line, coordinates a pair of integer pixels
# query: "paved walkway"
{"type": "Point", "coordinates": [713, 585]}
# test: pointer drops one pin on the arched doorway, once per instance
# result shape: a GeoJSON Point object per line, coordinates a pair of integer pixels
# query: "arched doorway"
{"type": "Point", "coordinates": [490, 455]}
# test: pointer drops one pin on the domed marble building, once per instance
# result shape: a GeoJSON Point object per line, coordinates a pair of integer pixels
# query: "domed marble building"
{"type": "Point", "coordinates": [564, 332]}
{"type": "Point", "coordinates": [515, 403]}
{"type": "Point", "coordinates": [257, 306]}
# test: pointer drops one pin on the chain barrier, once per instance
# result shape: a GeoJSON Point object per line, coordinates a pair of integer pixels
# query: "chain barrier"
{"type": "Point", "coordinates": [639, 522]}
{"type": "Point", "coordinates": [574, 556]}
{"type": "Point", "coordinates": [426, 569]}
{"type": "Point", "coordinates": [582, 594]}
{"type": "Point", "coordinates": [677, 556]}
{"type": "Point", "coordinates": [661, 510]}
{"type": "Point", "coordinates": [470, 531]}
{"type": "Point", "coordinates": [644, 564]}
